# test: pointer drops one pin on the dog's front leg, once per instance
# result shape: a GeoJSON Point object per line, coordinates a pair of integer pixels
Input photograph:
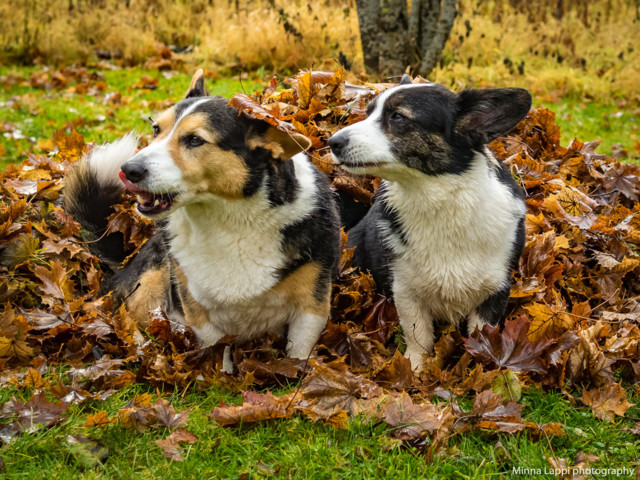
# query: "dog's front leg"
{"type": "Point", "coordinates": [417, 326]}
{"type": "Point", "coordinates": [304, 331]}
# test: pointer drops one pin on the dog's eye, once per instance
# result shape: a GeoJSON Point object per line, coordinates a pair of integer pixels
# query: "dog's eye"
{"type": "Point", "coordinates": [156, 130]}
{"type": "Point", "coordinates": [193, 141]}
{"type": "Point", "coordinates": [397, 117]}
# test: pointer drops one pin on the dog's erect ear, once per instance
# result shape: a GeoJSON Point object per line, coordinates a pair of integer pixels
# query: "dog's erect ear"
{"type": "Point", "coordinates": [282, 145]}
{"type": "Point", "coordinates": [486, 114]}
{"type": "Point", "coordinates": [405, 80]}
{"type": "Point", "coordinates": [196, 89]}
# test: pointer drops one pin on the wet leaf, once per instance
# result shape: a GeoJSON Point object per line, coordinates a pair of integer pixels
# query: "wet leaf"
{"type": "Point", "coordinates": [170, 445]}
{"type": "Point", "coordinates": [410, 420]}
{"type": "Point", "coordinates": [508, 386]}
{"type": "Point", "coordinates": [606, 402]}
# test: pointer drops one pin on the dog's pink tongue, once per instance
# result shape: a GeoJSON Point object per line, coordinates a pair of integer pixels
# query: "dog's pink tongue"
{"type": "Point", "coordinates": [144, 197]}
{"type": "Point", "coordinates": [128, 185]}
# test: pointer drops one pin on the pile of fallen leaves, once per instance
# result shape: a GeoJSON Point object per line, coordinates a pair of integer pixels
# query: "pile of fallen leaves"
{"type": "Point", "coordinates": [572, 320]}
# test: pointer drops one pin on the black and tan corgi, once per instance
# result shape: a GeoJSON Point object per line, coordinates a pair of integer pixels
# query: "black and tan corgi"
{"type": "Point", "coordinates": [247, 238]}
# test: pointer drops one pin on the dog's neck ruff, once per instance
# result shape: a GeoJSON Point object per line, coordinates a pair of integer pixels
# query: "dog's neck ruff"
{"type": "Point", "coordinates": [432, 193]}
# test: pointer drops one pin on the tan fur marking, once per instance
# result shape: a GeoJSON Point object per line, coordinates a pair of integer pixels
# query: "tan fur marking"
{"type": "Point", "coordinates": [299, 288]}
{"type": "Point", "coordinates": [405, 111]}
{"type": "Point", "coordinates": [195, 314]}
{"type": "Point", "coordinates": [207, 168]}
{"type": "Point", "coordinates": [165, 122]}
{"type": "Point", "coordinates": [152, 293]}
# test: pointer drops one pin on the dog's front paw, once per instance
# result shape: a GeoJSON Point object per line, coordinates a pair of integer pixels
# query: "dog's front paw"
{"type": "Point", "coordinates": [416, 358]}
{"type": "Point", "coordinates": [227, 362]}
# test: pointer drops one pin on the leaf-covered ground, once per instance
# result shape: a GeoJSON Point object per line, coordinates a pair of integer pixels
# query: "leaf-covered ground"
{"type": "Point", "coordinates": [84, 391]}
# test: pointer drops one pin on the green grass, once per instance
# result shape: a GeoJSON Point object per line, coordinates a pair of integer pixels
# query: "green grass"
{"type": "Point", "coordinates": [590, 120]}
{"type": "Point", "coordinates": [299, 448]}
{"type": "Point", "coordinates": [37, 113]}
{"type": "Point", "coordinates": [296, 448]}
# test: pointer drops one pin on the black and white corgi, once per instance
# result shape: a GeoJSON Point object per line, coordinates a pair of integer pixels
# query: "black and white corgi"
{"type": "Point", "coordinates": [247, 239]}
{"type": "Point", "coordinates": [447, 224]}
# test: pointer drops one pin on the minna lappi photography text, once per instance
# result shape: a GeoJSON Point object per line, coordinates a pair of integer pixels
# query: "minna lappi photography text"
{"type": "Point", "coordinates": [359, 239]}
{"type": "Point", "coordinates": [574, 472]}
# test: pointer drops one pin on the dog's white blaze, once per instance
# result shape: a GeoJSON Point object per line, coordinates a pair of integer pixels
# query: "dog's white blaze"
{"type": "Point", "coordinates": [230, 250]}
{"type": "Point", "coordinates": [459, 240]}
{"type": "Point", "coordinates": [163, 174]}
{"type": "Point", "coordinates": [106, 160]}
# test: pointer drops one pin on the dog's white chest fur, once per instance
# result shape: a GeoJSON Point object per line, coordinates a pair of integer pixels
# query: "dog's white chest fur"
{"type": "Point", "coordinates": [231, 252]}
{"type": "Point", "coordinates": [225, 264]}
{"type": "Point", "coordinates": [459, 232]}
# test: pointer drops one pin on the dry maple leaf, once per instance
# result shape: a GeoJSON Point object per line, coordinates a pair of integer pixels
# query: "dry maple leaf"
{"type": "Point", "coordinates": [256, 408]}
{"type": "Point", "coordinates": [163, 414]}
{"type": "Point", "coordinates": [55, 280]}
{"type": "Point", "coordinates": [587, 361]}
{"type": "Point", "coordinates": [70, 147]}
{"type": "Point", "coordinates": [327, 390]}
{"type": "Point", "coordinates": [33, 379]}
{"type": "Point", "coordinates": [606, 402]}
{"type": "Point", "coordinates": [547, 322]}
{"type": "Point", "coordinates": [100, 419]}
{"type": "Point", "coordinates": [38, 412]}
{"type": "Point", "coordinates": [410, 420]}
{"type": "Point", "coordinates": [395, 374]}
{"type": "Point", "coordinates": [170, 445]}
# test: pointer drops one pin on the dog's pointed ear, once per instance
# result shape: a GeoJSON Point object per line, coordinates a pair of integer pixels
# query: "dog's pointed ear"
{"type": "Point", "coordinates": [282, 145]}
{"type": "Point", "coordinates": [486, 114]}
{"type": "Point", "coordinates": [405, 80]}
{"type": "Point", "coordinates": [196, 89]}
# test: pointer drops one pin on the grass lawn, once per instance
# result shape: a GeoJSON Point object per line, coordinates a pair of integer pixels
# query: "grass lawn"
{"type": "Point", "coordinates": [29, 116]}
{"type": "Point", "coordinates": [294, 448]}
{"type": "Point", "coordinates": [299, 448]}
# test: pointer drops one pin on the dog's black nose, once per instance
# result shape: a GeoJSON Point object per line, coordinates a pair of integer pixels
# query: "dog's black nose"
{"type": "Point", "coordinates": [134, 171]}
{"type": "Point", "coordinates": [338, 143]}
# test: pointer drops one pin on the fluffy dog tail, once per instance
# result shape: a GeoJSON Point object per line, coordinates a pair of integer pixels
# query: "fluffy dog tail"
{"type": "Point", "coordinates": [91, 189]}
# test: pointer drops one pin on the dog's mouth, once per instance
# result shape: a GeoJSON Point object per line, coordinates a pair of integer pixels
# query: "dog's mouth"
{"type": "Point", "coordinates": [149, 203]}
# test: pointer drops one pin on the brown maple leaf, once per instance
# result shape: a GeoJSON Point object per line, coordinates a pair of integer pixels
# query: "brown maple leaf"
{"type": "Point", "coordinates": [170, 445]}
{"type": "Point", "coordinates": [55, 280]}
{"type": "Point", "coordinates": [410, 420]}
{"type": "Point", "coordinates": [38, 412]}
{"type": "Point", "coordinates": [256, 408]}
{"type": "Point", "coordinates": [331, 388]}
{"type": "Point", "coordinates": [606, 402]}
{"type": "Point", "coordinates": [510, 349]}
{"type": "Point", "coordinates": [162, 414]}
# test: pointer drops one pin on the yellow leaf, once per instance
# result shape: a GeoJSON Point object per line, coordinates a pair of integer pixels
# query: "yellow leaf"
{"type": "Point", "coordinates": [100, 419]}
{"type": "Point", "coordinates": [304, 90]}
{"type": "Point", "coordinates": [547, 322]}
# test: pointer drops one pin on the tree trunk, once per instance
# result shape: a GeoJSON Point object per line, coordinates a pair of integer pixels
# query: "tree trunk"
{"type": "Point", "coordinates": [433, 44]}
{"type": "Point", "coordinates": [368, 15]}
{"type": "Point", "coordinates": [393, 38]}
{"type": "Point", "coordinates": [395, 53]}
